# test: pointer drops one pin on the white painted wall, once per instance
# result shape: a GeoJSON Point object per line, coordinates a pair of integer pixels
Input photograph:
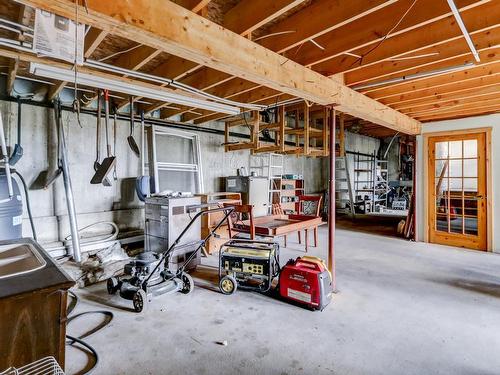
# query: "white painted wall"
{"type": "Point", "coordinates": [492, 121]}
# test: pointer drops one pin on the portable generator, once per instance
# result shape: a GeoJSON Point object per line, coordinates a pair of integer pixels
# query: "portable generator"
{"type": "Point", "coordinates": [248, 264]}
{"type": "Point", "coordinates": [306, 280]}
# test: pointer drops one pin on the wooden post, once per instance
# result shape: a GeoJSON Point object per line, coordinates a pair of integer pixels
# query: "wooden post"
{"type": "Point", "coordinates": [331, 201]}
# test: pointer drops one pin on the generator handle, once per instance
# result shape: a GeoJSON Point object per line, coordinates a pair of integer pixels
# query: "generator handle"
{"type": "Point", "coordinates": [308, 263]}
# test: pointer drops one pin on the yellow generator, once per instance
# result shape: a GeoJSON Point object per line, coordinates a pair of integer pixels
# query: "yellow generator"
{"type": "Point", "coordinates": [248, 264]}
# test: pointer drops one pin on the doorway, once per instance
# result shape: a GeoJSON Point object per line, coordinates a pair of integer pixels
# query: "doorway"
{"type": "Point", "coordinates": [457, 190]}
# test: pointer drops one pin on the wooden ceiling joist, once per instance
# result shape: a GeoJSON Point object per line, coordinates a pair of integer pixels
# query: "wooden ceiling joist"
{"type": "Point", "coordinates": [173, 29]}
{"type": "Point", "coordinates": [485, 40]}
{"type": "Point", "coordinates": [249, 15]}
{"type": "Point", "coordinates": [437, 93]}
{"type": "Point", "coordinates": [397, 91]}
{"type": "Point", "coordinates": [371, 29]}
{"type": "Point", "coordinates": [328, 15]}
{"type": "Point", "coordinates": [442, 32]}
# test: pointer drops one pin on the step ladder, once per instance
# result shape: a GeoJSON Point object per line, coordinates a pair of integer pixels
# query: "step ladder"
{"type": "Point", "coordinates": [344, 199]}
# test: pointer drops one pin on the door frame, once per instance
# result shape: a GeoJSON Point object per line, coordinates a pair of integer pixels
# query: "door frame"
{"type": "Point", "coordinates": [489, 185]}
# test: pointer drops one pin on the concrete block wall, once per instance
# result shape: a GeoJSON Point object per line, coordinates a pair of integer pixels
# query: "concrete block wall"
{"type": "Point", "coordinates": [117, 203]}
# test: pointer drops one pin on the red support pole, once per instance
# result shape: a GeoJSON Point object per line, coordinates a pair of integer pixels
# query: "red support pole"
{"type": "Point", "coordinates": [331, 199]}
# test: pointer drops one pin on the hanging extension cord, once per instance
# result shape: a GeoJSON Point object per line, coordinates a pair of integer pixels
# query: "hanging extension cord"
{"type": "Point", "coordinates": [71, 340]}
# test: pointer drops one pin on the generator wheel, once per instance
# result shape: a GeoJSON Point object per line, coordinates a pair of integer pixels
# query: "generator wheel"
{"type": "Point", "coordinates": [187, 283]}
{"type": "Point", "coordinates": [140, 300]}
{"type": "Point", "coordinates": [228, 285]}
{"type": "Point", "coordinates": [112, 285]}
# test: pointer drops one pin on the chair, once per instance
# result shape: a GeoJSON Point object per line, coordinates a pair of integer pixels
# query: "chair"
{"type": "Point", "coordinates": [309, 205]}
{"type": "Point", "coordinates": [237, 215]}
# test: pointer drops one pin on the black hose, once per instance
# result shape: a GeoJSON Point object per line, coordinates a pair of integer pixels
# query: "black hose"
{"type": "Point", "coordinates": [78, 340]}
{"type": "Point", "coordinates": [28, 205]}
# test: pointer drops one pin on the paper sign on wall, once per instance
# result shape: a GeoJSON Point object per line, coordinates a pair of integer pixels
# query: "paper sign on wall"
{"type": "Point", "coordinates": [55, 37]}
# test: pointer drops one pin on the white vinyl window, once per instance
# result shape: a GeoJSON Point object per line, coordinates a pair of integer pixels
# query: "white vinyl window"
{"type": "Point", "coordinates": [175, 160]}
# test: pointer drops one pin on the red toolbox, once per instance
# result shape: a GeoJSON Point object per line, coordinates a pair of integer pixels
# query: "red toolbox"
{"type": "Point", "coordinates": [306, 280]}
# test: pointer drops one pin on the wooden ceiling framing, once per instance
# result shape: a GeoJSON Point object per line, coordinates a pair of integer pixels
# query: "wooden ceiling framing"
{"type": "Point", "coordinates": [325, 51]}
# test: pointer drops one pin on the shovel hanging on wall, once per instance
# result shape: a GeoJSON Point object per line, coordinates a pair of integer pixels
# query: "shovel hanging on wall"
{"type": "Point", "coordinates": [131, 141]}
{"type": "Point", "coordinates": [106, 166]}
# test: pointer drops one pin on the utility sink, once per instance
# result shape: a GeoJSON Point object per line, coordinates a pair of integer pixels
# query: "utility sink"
{"type": "Point", "coordinates": [18, 258]}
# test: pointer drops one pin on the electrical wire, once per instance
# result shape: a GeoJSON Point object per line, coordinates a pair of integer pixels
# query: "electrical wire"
{"type": "Point", "coordinates": [119, 53]}
{"type": "Point", "coordinates": [360, 59]}
{"type": "Point", "coordinates": [28, 205]}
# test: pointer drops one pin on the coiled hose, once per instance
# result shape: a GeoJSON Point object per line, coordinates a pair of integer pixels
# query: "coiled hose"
{"type": "Point", "coordinates": [71, 340]}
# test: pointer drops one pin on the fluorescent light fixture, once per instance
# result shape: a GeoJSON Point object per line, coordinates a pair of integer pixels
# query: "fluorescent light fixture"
{"type": "Point", "coordinates": [461, 24]}
{"type": "Point", "coordinates": [412, 76]}
{"type": "Point", "coordinates": [111, 84]}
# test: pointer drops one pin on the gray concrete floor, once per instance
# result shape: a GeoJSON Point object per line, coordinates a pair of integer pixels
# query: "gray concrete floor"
{"type": "Point", "coordinates": [402, 308]}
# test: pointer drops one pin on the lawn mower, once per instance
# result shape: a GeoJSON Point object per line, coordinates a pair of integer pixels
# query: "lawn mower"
{"type": "Point", "coordinates": [248, 264]}
{"type": "Point", "coordinates": [149, 272]}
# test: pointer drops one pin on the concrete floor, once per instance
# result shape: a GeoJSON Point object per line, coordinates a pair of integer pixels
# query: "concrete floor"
{"type": "Point", "coordinates": [402, 308]}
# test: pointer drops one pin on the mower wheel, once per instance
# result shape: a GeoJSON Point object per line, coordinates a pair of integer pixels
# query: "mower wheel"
{"type": "Point", "coordinates": [140, 300]}
{"type": "Point", "coordinates": [112, 285]}
{"type": "Point", "coordinates": [187, 283]}
{"type": "Point", "coordinates": [228, 285]}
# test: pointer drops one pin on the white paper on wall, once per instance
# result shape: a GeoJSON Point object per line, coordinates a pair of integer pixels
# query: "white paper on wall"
{"type": "Point", "coordinates": [55, 37]}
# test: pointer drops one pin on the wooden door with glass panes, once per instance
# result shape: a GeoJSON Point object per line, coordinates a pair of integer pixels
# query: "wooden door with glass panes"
{"type": "Point", "coordinates": [457, 190]}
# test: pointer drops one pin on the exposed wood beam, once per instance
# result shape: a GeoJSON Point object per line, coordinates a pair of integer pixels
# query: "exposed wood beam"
{"type": "Point", "coordinates": [317, 19]}
{"type": "Point", "coordinates": [11, 75]}
{"type": "Point", "coordinates": [327, 16]}
{"type": "Point", "coordinates": [486, 105]}
{"type": "Point", "coordinates": [55, 89]}
{"type": "Point", "coordinates": [442, 34]}
{"type": "Point", "coordinates": [423, 14]}
{"type": "Point", "coordinates": [136, 58]}
{"type": "Point", "coordinates": [23, 19]}
{"type": "Point", "coordinates": [194, 5]}
{"type": "Point", "coordinates": [93, 38]}
{"type": "Point", "coordinates": [188, 35]}
{"type": "Point", "coordinates": [458, 113]}
{"type": "Point", "coordinates": [485, 95]}
{"type": "Point", "coordinates": [372, 29]}
{"type": "Point", "coordinates": [439, 92]}
{"type": "Point", "coordinates": [396, 90]}
{"type": "Point", "coordinates": [488, 55]}
{"type": "Point", "coordinates": [249, 15]}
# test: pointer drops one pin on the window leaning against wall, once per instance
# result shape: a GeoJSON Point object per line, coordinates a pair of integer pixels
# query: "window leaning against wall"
{"type": "Point", "coordinates": [174, 160]}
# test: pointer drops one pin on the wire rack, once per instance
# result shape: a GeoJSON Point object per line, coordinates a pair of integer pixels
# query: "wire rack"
{"type": "Point", "coordinates": [44, 366]}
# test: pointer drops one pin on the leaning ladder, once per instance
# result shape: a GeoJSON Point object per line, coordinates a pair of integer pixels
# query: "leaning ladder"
{"type": "Point", "coordinates": [344, 187]}
{"type": "Point", "coordinates": [275, 175]}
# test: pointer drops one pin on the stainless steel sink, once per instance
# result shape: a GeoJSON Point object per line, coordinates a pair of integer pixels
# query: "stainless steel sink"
{"type": "Point", "coordinates": [17, 259]}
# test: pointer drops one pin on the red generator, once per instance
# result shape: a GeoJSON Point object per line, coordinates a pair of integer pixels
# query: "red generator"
{"type": "Point", "coordinates": [306, 280]}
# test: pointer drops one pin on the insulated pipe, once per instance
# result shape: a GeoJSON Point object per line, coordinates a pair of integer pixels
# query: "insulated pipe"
{"type": "Point", "coordinates": [75, 238]}
{"type": "Point", "coordinates": [331, 200]}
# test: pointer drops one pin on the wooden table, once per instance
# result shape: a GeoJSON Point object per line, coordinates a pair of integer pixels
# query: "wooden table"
{"type": "Point", "coordinates": [280, 225]}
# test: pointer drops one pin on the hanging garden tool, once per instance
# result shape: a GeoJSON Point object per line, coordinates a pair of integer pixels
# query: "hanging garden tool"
{"type": "Point", "coordinates": [18, 149]}
{"type": "Point", "coordinates": [115, 177]}
{"type": "Point", "coordinates": [131, 141]}
{"type": "Point", "coordinates": [142, 183]}
{"type": "Point", "coordinates": [109, 161]}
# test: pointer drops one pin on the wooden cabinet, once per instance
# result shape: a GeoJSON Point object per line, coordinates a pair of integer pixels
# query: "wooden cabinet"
{"type": "Point", "coordinates": [33, 315]}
